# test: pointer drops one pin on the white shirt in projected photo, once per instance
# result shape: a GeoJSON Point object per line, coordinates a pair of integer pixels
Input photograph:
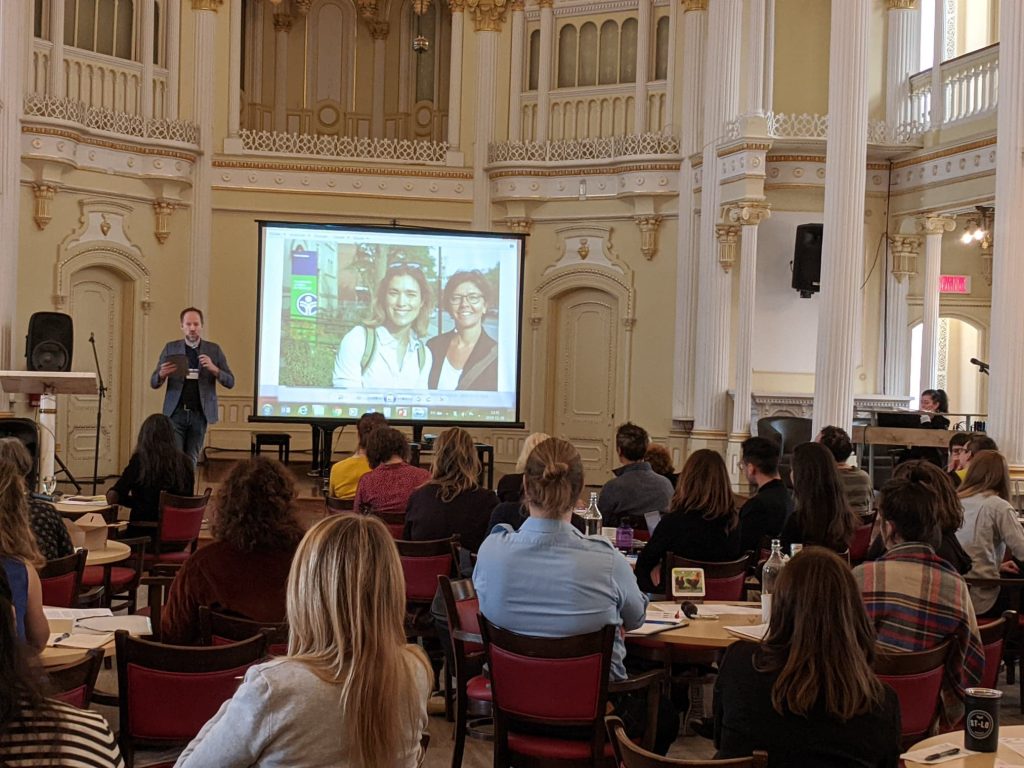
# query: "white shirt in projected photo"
{"type": "Point", "coordinates": [383, 369]}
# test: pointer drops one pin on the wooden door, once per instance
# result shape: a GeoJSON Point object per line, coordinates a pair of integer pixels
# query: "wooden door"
{"type": "Point", "coordinates": [583, 364]}
{"type": "Point", "coordinates": [96, 302]}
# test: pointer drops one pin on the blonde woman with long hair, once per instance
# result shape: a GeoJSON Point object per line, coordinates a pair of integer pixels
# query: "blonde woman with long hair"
{"type": "Point", "coordinates": [350, 692]}
{"type": "Point", "coordinates": [452, 502]}
{"type": "Point", "coordinates": [990, 526]}
{"type": "Point", "coordinates": [20, 556]}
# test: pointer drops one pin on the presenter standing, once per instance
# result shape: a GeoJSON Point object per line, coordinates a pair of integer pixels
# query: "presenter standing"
{"type": "Point", "coordinates": [191, 367]}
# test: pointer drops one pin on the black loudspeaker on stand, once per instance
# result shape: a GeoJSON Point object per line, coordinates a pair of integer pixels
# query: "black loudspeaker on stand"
{"type": "Point", "coordinates": [50, 342]}
{"type": "Point", "coordinates": [99, 414]}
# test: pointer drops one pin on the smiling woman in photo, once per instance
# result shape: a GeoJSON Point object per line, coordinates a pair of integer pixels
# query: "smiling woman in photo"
{"type": "Point", "coordinates": [388, 350]}
{"type": "Point", "coordinates": [465, 357]}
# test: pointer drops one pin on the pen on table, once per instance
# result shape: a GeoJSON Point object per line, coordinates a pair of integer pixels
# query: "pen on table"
{"type": "Point", "coordinates": [940, 755]}
{"type": "Point", "coordinates": [64, 636]}
{"type": "Point", "coordinates": [657, 621]}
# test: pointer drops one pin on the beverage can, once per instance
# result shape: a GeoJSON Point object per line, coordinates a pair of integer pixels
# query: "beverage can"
{"type": "Point", "coordinates": [981, 719]}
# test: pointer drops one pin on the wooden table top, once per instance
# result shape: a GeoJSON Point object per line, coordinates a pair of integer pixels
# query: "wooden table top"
{"type": "Point", "coordinates": [708, 633]}
{"type": "Point", "coordinates": [77, 509]}
{"type": "Point", "coordinates": [973, 761]}
{"type": "Point", "coordinates": [112, 552]}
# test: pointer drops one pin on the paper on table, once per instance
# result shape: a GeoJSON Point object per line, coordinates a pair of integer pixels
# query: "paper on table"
{"type": "Point", "coordinates": [84, 500]}
{"type": "Point", "coordinates": [654, 627]}
{"type": "Point", "coordinates": [919, 755]}
{"type": "Point", "coordinates": [134, 625]}
{"type": "Point", "coordinates": [1016, 744]}
{"type": "Point", "coordinates": [751, 631]}
{"type": "Point", "coordinates": [84, 642]}
{"type": "Point", "coordinates": [74, 613]}
{"type": "Point", "coordinates": [1003, 764]}
{"type": "Point", "coordinates": [736, 610]}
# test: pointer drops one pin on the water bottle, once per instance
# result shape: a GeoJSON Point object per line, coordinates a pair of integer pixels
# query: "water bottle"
{"type": "Point", "coordinates": [769, 574]}
{"type": "Point", "coordinates": [624, 536]}
{"type": "Point", "coordinates": [592, 518]}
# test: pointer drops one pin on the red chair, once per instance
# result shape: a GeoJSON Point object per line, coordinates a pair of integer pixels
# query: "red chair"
{"type": "Point", "coordinates": [168, 692]}
{"type": "Point", "coordinates": [472, 688]}
{"type": "Point", "coordinates": [395, 521]}
{"type": "Point", "coordinates": [630, 755]}
{"type": "Point", "coordinates": [74, 683]}
{"type": "Point", "coordinates": [217, 628]}
{"type": "Point", "coordinates": [61, 580]}
{"type": "Point", "coordinates": [181, 517]}
{"type": "Point", "coordinates": [917, 679]}
{"type": "Point", "coordinates": [119, 580]}
{"type": "Point", "coordinates": [722, 581]}
{"type": "Point", "coordinates": [860, 543]}
{"type": "Point", "coordinates": [993, 641]}
{"type": "Point", "coordinates": [333, 505]}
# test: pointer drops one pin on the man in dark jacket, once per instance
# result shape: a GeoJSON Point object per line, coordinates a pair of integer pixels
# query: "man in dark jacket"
{"type": "Point", "coordinates": [637, 489]}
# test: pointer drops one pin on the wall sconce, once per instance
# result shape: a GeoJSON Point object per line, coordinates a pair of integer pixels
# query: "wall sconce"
{"type": "Point", "coordinates": [979, 229]}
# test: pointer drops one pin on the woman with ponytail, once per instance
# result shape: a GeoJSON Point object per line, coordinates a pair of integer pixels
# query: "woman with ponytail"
{"type": "Point", "coordinates": [20, 556]}
{"type": "Point", "coordinates": [350, 692]}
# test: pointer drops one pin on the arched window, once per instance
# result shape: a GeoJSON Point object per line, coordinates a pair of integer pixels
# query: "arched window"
{"type": "Point", "coordinates": [627, 53]}
{"type": "Point", "coordinates": [588, 55]}
{"type": "Point", "coordinates": [567, 56]}
{"type": "Point", "coordinates": [534, 60]}
{"type": "Point", "coordinates": [608, 62]}
{"type": "Point", "coordinates": [661, 49]}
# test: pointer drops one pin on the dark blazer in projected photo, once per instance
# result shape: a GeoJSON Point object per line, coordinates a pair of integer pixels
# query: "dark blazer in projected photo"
{"type": "Point", "coordinates": [466, 357]}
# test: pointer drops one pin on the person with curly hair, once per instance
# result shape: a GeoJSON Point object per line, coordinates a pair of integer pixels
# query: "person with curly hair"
{"type": "Point", "coordinates": [244, 571]}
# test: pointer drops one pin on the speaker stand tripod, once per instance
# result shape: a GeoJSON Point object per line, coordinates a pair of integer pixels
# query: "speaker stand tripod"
{"type": "Point", "coordinates": [67, 473]}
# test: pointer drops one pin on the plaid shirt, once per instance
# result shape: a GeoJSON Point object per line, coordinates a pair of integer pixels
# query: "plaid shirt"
{"type": "Point", "coordinates": [388, 487]}
{"type": "Point", "coordinates": [915, 600]}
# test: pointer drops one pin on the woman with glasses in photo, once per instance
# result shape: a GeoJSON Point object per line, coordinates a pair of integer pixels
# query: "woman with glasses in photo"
{"type": "Point", "coordinates": [465, 357]}
{"type": "Point", "coordinates": [387, 351]}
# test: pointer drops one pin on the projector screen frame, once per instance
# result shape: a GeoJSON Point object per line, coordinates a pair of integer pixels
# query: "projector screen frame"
{"type": "Point", "coordinates": [329, 422]}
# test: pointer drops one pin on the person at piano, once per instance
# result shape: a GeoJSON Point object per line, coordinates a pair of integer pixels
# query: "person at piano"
{"type": "Point", "coordinates": [934, 402]}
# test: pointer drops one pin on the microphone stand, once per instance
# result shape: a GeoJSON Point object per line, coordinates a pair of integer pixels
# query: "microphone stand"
{"type": "Point", "coordinates": [99, 414]}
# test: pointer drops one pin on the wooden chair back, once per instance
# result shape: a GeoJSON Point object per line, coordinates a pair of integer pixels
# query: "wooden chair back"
{"type": "Point", "coordinates": [722, 581]}
{"type": "Point", "coordinates": [74, 683]}
{"type": "Point", "coordinates": [61, 580]}
{"type": "Point", "coordinates": [333, 505]}
{"type": "Point", "coordinates": [917, 679]}
{"type": "Point", "coordinates": [631, 755]}
{"type": "Point", "coordinates": [216, 628]}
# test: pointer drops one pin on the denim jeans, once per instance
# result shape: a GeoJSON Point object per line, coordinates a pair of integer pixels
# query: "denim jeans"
{"type": "Point", "coordinates": [190, 431]}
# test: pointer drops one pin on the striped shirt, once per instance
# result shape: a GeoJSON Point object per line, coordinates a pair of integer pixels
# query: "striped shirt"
{"type": "Point", "coordinates": [59, 735]}
{"type": "Point", "coordinates": [860, 496]}
{"type": "Point", "coordinates": [915, 600]}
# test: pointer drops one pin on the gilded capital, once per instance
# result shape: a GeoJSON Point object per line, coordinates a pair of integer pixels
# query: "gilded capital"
{"type": "Point", "coordinates": [546, 3]}
{"type": "Point", "coordinates": [902, 5]}
{"type": "Point", "coordinates": [694, 5]}
{"type": "Point", "coordinates": [379, 30]}
{"type": "Point", "coordinates": [748, 213]}
{"type": "Point", "coordinates": [931, 224]}
{"type": "Point", "coordinates": [206, 5]}
{"type": "Point", "coordinates": [518, 6]}
{"type": "Point", "coordinates": [905, 250]}
{"type": "Point", "coordinates": [488, 15]}
{"type": "Point", "coordinates": [282, 22]}
{"type": "Point", "coordinates": [457, 6]}
{"type": "Point", "coordinates": [648, 226]}
{"type": "Point", "coordinates": [728, 236]}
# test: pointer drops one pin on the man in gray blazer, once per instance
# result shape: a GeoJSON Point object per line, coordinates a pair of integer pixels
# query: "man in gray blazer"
{"type": "Point", "coordinates": [191, 367]}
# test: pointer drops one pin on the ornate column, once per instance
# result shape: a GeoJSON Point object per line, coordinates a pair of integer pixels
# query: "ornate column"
{"type": "Point", "coordinates": [695, 25]}
{"type": "Point", "coordinates": [1006, 349]}
{"type": "Point", "coordinates": [204, 52]}
{"type": "Point", "coordinates": [904, 250]}
{"type": "Point", "coordinates": [768, 76]}
{"type": "Point", "coordinates": [282, 26]}
{"type": "Point", "coordinates": [845, 178]}
{"type": "Point", "coordinates": [488, 16]}
{"type": "Point", "coordinates": [147, 11]}
{"type": "Point", "coordinates": [668, 120]}
{"type": "Point", "coordinates": [379, 32]}
{"type": "Point", "coordinates": [932, 228]}
{"type": "Point", "coordinates": [173, 59]}
{"type": "Point", "coordinates": [643, 59]}
{"type": "Point", "coordinates": [901, 59]}
{"type": "Point", "coordinates": [515, 89]}
{"type": "Point", "coordinates": [57, 84]}
{"type": "Point", "coordinates": [753, 77]}
{"type": "Point", "coordinates": [15, 39]}
{"type": "Point", "coordinates": [748, 214]}
{"type": "Point", "coordinates": [714, 297]}
{"type": "Point", "coordinates": [235, 70]}
{"type": "Point", "coordinates": [938, 110]}
{"type": "Point", "coordinates": [542, 126]}
{"type": "Point", "coordinates": [455, 75]}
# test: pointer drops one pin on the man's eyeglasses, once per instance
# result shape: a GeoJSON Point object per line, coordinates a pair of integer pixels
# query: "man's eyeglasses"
{"type": "Point", "coordinates": [473, 299]}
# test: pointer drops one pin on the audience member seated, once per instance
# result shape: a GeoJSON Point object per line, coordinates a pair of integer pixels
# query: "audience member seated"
{"type": "Point", "coordinates": [47, 525]}
{"type": "Point", "coordinates": [703, 523]}
{"type": "Point", "coordinates": [245, 569]}
{"type": "Point", "coordinates": [20, 557]}
{"type": "Point", "coordinates": [661, 462]}
{"type": "Point", "coordinates": [974, 446]}
{"type": "Point", "coordinates": [820, 514]}
{"type": "Point", "coordinates": [510, 486]}
{"type": "Point", "coordinates": [636, 489]}
{"type": "Point", "coordinates": [345, 474]}
{"type": "Point", "coordinates": [934, 403]}
{"type": "Point", "coordinates": [807, 694]}
{"type": "Point", "coordinates": [511, 513]}
{"type": "Point", "coordinates": [860, 495]}
{"type": "Point", "coordinates": [391, 479]}
{"type": "Point", "coordinates": [157, 464]}
{"type": "Point", "coordinates": [350, 692]}
{"type": "Point", "coordinates": [453, 501]}
{"type": "Point", "coordinates": [35, 730]}
{"type": "Point", "coordinates": [990, 526]}
{"type": "Point", "coordinates": [549, 580]}
{"type": "Point", "coordinates": [949, 513]}
{"type": "Point", "coordinates": [764, 513]}
{"type": "Point", "coordinates": [956, 467]}
{"type": "Point", "coordinates": [914, 598]}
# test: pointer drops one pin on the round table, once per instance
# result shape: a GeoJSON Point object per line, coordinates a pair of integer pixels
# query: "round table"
{"type": "Point", "coordinates": [74, 511]}
{"type": "Point", "coordinates": [112, 552]}
{"type": "Point", "coordinates": [709, 633]}
{"type": "Point", "coordinates": [973, 761]}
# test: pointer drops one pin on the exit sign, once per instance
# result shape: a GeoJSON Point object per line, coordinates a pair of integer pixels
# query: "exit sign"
{"type": "Point", "coordinates": [954, 284]}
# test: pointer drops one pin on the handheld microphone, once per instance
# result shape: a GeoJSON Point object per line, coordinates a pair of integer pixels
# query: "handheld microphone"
{"type": "Point", "coordinates": [690, 609]}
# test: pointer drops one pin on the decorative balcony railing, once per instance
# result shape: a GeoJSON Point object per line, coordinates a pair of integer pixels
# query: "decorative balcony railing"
{"type": "Point", "coordinates": [814, 126]}
{"type": "Point", "coordinates": [970, 88]}
{"type": "Point", "coordinates": [594, 112]}
{"type": "Point", "coordinates": [579, 150]}
{"type": "Point", "coordinates": [99, 119]}
{"type": "Point", "coordinates": [345, 147]}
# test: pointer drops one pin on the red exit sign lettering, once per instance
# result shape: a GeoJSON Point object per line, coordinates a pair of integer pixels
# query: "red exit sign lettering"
{"type": "Point", "coordinates": [954, 284]}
